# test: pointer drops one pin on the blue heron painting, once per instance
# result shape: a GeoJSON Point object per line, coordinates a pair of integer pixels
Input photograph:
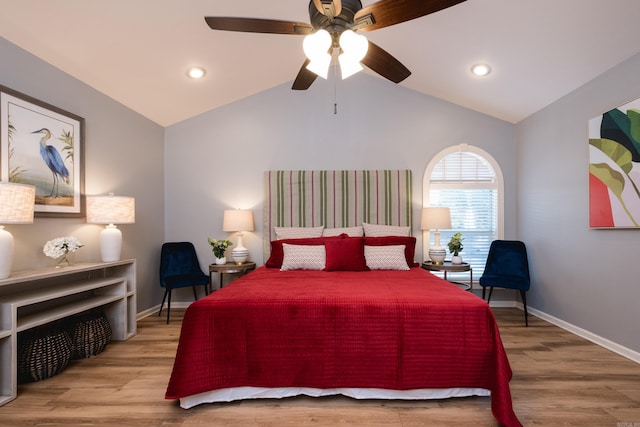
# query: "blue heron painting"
{"type": "Point", "coordinates": [53, 160]}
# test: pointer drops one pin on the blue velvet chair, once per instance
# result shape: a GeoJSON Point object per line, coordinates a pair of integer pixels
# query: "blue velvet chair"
{"type": "Point", "coordinates": [507, 267]}
{"type": "Point", "coordinates": [180, 268]}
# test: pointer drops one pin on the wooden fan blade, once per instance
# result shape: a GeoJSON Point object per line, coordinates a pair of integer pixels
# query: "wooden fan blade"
{"type": "Point", "coordinates": [381, 61]}
{"type": "Point", "coordinates": [305, 78]}
{"type": "Point", "coordinates": [391, 12]}
{"type": "Point", "coordinates": [328, 7]}
{"type": "Point", "coordinates": [257, 25]}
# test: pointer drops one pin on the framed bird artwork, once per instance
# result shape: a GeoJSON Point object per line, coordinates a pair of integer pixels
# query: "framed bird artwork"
{"type": "Point", "coordinates": [43, 145]}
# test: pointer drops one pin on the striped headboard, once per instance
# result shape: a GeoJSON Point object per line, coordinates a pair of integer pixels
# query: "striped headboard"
{"type": "Point", "coordinates": [342, 198]}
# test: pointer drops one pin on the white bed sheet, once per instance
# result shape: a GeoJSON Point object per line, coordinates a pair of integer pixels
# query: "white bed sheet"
{"type": "Point", "coordinates": [242, 393]}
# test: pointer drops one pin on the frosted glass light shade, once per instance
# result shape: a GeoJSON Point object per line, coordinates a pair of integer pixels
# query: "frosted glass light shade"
{"type": "Point", "coordinates": [354, 47]}
{"type": "Point", "coordinates": [17, 203]}
{"type": "Point", "coordinates": [316, 47]}
{"type": "Point", "coordinates": [238, 220]}
{"type": "Point", "coordinates": [110, 210]}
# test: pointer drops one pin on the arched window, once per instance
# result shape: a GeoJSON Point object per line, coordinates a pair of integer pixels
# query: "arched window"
{"type": "Point", "coordinates": [468, 181]}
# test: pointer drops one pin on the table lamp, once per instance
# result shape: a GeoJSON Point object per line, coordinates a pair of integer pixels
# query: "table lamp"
{"type": "Point", "coordinates": [110, 210]}
{"type": "Point", "coordinates": [17, 202]}
{"type": "Point", "coordinates": [239, 220]}
{"type": "Point", "coordinates": [435, 219]}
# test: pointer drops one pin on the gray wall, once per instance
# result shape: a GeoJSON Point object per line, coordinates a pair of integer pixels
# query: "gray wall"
{"type": "Point", "coordinates": [215, 161]}
{"type": "Point", "coordinates": [586, 277]}
{"type": "Point", "coordinates": [123, 154]}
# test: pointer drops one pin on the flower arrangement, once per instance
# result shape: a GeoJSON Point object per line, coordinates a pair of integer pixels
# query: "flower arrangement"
{"type": "Point", "coordinates": [219, 247]}
{"type": "Point", "coordinates": [455, 244]}
{"type": "Point", "coordinates": [60, 247]}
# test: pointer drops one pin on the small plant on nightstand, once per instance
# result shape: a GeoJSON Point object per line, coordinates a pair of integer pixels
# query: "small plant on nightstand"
{"type": "Point", "coordinates": [455, 247]}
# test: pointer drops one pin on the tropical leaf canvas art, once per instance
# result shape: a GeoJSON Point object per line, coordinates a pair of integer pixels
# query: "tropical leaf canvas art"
{"type": "Point", "coordinates": [614, 168]}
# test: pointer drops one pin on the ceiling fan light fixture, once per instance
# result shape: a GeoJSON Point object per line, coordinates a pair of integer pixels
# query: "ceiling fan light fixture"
{"type": "Point", "coordinates": [480, 70]}
{"type": "Point", "coordinates": [196, 72]}
{"type": "Point", "coordinates": [354, 49]}
{"type": "Point", "coordinates": [316, 47]}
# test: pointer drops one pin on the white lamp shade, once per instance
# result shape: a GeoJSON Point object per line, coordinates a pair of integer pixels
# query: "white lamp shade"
{"type": "Point", "coordinates": [111, 210]}
{"type": "Point", "coordinates": [237, 220]}
{"type": "Point", "coordinates": [17, 203]}
{"type": "Point", "coordinates": [435, 218]}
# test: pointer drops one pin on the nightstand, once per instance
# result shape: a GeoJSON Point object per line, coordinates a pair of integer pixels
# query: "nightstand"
{"type": "Point", "coordinates": [229, 268]}
{"type": "Point", "coordinates": [448, 266]}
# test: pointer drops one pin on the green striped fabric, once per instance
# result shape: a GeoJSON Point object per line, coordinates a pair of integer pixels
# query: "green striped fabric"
{"type": "Point", "coordinates": [344, 198]}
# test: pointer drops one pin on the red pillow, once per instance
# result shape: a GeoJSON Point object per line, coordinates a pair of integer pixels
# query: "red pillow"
{"type": "Point", "coordinates": [408, 242]}
{"type": "Point", "coordinates": [345, 254]}
{"type": "Point", "coordinates": [277, 252]}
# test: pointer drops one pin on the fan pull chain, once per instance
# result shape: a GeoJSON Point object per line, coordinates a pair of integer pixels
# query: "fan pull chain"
{"type": "Point", "coordinates": [335, 90]}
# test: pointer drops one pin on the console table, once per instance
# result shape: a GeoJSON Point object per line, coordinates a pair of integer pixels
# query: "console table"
{"type": "Point", "coordinates": [32, 298]}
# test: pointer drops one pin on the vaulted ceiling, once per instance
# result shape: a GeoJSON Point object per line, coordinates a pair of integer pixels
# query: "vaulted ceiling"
{"type": "Point", "coordinates": [137, 52]}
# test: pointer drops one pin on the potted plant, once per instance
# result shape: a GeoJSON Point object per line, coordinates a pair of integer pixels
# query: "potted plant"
{"type": "Point", "coordinates": [219, 247]}
{"type": "Point", "coordinates": [455, 247]}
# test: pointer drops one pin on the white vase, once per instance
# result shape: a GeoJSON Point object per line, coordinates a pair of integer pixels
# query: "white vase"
{"type": "Point", "coordinates": [456, 259]}
{"type": "Point", "coordinates": [221, 261]}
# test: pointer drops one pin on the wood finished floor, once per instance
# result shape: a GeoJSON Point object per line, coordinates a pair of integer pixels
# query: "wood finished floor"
{"type": "Point", "coordinates": [559, 380]}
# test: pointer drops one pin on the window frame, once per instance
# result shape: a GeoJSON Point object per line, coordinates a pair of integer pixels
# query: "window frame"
{"type": "Point", "coordinates": [497, 184]}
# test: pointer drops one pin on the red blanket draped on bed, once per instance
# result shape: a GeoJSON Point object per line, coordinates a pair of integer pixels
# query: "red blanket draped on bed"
{"type": "Point", "coordinates": [377, 329]}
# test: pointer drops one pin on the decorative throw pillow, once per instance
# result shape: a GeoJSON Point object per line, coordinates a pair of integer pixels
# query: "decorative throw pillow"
{"type": "Point", "coordinates": [385, 257]}
{"type": "Point", "coordinates": [303, 257]}
{"type": "Point", "coordinates": [378, 230]}
{"type": "Point", "coordinates": [408, 242]}
{"type": "Point", "coordinates": [345, 254]}
{"type": "Point", "coordinates": [349, 231]}
{"type": "Point", "coordinates": [277, 252]}
{"type": "Point", "coordinates": [298, 232]}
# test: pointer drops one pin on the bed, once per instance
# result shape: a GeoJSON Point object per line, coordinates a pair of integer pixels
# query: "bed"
{"type": "Point", "coordinates": [365, 321]}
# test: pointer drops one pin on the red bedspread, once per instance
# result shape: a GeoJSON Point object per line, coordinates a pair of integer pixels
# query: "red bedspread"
{"type": "Point", "coordinates": [378, 329]}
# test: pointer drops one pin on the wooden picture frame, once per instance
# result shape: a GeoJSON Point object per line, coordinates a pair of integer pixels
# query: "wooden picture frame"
{"type": "Point", "coordinates": [43, 145]}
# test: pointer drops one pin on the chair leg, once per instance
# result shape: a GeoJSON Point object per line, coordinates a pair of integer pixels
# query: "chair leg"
{"type": "Point", "coordinates": [162, 305]}
{"type": "Point", "coordinates": [195, 295]}
{"type": "Point", "coordinates": [523, 295]}
{"type": "Point", "coordinates": [206, 290]}
{"type": "Point", "coordinates": [490, 292]}
{"type": "Point", "coordinates": [484, 288]}
{"type": "Point", "coordinates": [168, 306]}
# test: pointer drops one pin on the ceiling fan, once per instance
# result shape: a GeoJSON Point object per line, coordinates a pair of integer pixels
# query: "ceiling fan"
{"type": "Point", "coordinates": [336, 17]}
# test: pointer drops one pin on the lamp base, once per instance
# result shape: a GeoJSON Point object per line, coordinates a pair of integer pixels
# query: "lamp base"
{"type": "Point", "coordinates": [240, 255]}
{"type": "Point", "coordinates": [437, 255]}
{"type": "Point", "coordinates": [6, 253]}
{"type": "Point", "coordinates": [110, 243]}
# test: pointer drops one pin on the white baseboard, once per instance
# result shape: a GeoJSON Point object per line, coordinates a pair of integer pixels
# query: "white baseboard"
{"type": "Point", "coordinates": [583, 333]}
{"type": "Point", "coordinates": [154, 310]}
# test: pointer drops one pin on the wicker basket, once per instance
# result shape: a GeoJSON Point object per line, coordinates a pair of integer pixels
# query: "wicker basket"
{"type": "Point", "coordinates": [90, 333]}
{"type": "Point", "coordinates": [43, 352]}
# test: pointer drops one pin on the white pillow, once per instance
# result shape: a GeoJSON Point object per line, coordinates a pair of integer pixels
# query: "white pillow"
{"type": "Point", "coordinates": [377, 230]}
{"type": "Point", "coordinates": [350, 231]}
{"type": "Point", "coordinates": [298, 232]}
{"type": "Point", "coordinates": [303, 257]}
{"type": "Point", "coordinates": [385, 257]}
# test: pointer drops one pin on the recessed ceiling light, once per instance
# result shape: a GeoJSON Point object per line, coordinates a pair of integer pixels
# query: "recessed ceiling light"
{"type": "Point", "coordinates": [196, 72]}
{"type": "Point", "coordinates": [481, 70]}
